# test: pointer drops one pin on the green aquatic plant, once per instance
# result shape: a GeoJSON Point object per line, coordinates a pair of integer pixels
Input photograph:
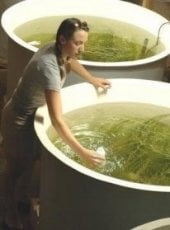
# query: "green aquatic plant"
{"type": "Point", "coordinates": [142, 149]}
{"type": "Point", "coordinates": [109, 40]}
{"type": "Point", "coordinates": [107, 47]}
{"type": "Point", "coordinates": [137, 148]}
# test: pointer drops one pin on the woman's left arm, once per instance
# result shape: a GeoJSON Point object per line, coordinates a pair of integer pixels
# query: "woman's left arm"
{"type": "Point", "coordinates": [81, 71]}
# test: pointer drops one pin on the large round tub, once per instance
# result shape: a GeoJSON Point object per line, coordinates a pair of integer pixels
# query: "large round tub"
{"type": "Point", "coordinates": [20, 52]}
{"type": "Point", "coordinates": [75, 197]}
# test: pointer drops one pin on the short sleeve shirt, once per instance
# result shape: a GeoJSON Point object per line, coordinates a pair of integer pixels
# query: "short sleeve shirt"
{"type": "Point", "coordinates": [41, 73]}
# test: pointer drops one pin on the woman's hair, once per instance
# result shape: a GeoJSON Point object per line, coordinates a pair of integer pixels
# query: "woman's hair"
{"type": "Point", "coordinates": [67, 28]}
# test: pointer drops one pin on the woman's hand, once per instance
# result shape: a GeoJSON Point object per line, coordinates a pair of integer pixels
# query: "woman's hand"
{"type": "Point", "coordinates": [86, 75]}
{"type": "Point", "coordinates": [101, 82]}
{"type": "Point", "coordinates": [92, 158]}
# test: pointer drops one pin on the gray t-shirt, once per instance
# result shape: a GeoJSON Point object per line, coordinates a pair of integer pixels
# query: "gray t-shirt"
{"type": "Point", "coordinates": [41, 73]}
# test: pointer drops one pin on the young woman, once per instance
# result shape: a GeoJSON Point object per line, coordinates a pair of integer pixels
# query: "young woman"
{"type": "Point", "coordinates": [41, 83]}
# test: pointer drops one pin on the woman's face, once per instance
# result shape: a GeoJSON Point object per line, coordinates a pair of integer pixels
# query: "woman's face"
{"type": "Point", "coordinates": [75, 46]}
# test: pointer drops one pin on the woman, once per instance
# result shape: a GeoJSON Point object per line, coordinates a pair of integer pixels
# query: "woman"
{"type": "Point", "coordinates": [41, 83]}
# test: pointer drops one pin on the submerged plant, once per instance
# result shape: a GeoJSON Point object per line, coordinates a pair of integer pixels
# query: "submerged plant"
{"type": "Point", "coordinates": [112, 48]}
{"type": "Point", "coordinates": [109, 40]}
{"type": "Point", "coordinates": [143, 148]}
{"type": "Point", "coordinates": [137, 148]}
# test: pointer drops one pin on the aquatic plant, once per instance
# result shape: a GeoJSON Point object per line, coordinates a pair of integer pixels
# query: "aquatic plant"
{"type": "Point", "coordinates": [108, 47]}
{"type": "Point", "coordinates": [137, 148]}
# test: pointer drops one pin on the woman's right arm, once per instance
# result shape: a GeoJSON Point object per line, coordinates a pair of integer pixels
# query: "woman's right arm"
{"type": "Point", "coordinates": [54, 103]}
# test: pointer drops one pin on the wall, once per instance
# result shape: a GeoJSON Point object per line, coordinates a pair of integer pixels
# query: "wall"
{"type": "Point", "coordinates": [4, 4]}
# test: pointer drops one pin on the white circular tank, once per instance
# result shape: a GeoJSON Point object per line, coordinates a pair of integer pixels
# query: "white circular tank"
{"type": "Point", "coordinates": [76, 197]}
{"type": "Point", "coordinates": [20, 52]}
